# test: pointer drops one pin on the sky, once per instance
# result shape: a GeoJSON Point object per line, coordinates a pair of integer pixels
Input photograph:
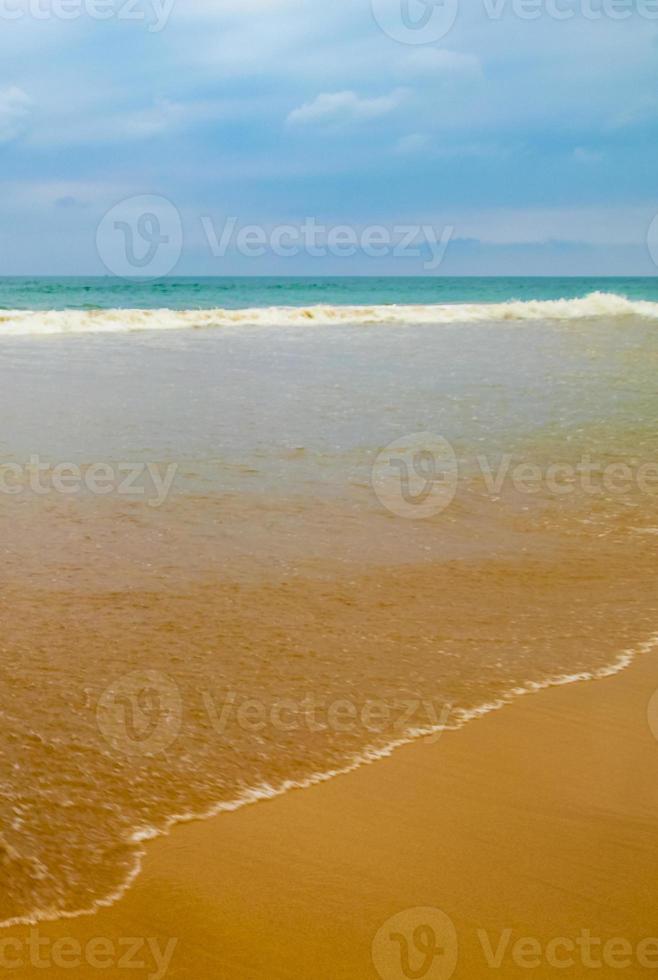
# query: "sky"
{"type": "Point", "coordinates": [522, 131]}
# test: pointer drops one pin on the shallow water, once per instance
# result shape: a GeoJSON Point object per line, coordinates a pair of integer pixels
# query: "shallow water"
{"type": "Point", "coordinates": [275, 612]}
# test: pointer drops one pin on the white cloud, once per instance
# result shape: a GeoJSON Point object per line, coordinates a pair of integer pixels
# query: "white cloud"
{"type": "Point", "coordinates": [15, 106]}
{"type": "Point", "coordinates": [340, 107]}
{"type": "Point", "coordinates": [162, 117]}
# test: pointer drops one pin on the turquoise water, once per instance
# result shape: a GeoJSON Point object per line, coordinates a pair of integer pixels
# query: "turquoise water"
{"type": "Point", "coordinates": [234, 293]}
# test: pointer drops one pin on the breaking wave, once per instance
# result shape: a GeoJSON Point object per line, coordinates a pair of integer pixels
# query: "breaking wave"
{"type": "Point", "coordinates": [594, 306]}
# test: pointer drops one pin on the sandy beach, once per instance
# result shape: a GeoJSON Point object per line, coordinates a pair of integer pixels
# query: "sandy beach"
{"type": "Point", "coordinates": [187, 648]}
{"type": "Point", "coordinates": [537, 822]}
{"type": "Point", "coordinates": [328, 490]}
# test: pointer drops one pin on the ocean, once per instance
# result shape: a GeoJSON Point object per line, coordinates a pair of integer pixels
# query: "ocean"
{"type": "Point", "coordinates": [90, 293]}
{"type": "Point", "coordinates": [257, 532]}
{"type": "Point", "coordinates": [86, 304]}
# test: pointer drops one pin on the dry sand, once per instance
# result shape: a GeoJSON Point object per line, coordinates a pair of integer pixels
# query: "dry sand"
{"type": "Point", "coordinates": [541, 818]}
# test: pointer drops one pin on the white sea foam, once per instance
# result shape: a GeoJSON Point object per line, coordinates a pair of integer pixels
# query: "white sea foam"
{"type": "Point", "coordinates": [596, 305]}
{"type": "Point", "coordinates": [266, 791]}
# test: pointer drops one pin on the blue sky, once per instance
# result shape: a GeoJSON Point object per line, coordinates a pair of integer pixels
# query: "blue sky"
{"type": "Point", "coordinates": [534, 139]}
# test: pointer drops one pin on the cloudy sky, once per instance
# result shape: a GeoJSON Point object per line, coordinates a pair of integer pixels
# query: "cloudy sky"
{"type": "Point", "coordinates": [533, 139]}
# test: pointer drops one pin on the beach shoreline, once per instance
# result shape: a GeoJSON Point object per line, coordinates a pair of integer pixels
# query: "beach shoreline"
{"type": "Point", "coordinates": [521, 821]}
{"type": "Point", "coordinates": [328, 538]}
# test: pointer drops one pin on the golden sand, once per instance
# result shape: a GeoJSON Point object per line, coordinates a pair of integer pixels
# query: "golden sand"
{"type": "Point", "coordinates": [526, 840]}
{"type": "Point", "coordinates": [537, 822]}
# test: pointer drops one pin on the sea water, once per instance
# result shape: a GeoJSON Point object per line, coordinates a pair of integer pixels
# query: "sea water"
{"type": "Point", "coordinates": [214, 589]}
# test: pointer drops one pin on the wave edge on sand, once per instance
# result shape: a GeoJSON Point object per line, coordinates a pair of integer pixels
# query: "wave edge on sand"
{"type": "Point", "coordinates": [370, 755]}
{"type": "Point", "coordinates": [52, 322]}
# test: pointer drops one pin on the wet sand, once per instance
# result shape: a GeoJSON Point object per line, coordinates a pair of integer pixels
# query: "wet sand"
{"type": "Point", "coordinates": [276, 569]}
{"type": "Point", "coordinates": [540, 818]}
